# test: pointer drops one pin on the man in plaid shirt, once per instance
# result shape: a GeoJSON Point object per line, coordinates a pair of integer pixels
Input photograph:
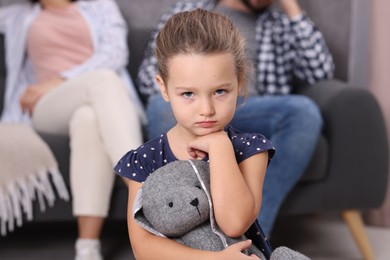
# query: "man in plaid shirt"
{"type": "Point", "coordinates": [283, 46]}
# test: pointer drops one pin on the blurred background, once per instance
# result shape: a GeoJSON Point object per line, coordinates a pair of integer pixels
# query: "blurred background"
{"type": "Point", "coordinates": [358, 31]}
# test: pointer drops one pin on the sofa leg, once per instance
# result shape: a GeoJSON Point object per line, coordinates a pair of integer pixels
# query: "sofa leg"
{"type": "Point", "coordinates": [354, 221]}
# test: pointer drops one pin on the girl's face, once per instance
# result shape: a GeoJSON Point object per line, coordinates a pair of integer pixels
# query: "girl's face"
{"type": "Point", "coordinates": [202, 90]}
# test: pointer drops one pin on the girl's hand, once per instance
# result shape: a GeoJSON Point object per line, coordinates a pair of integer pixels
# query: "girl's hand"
{"type": "Point", "coordinates": [34, 92]}
{"type": "Point", "coordinates": [234, 251]}
{"type": "Point", "coordinates": [200, 146]}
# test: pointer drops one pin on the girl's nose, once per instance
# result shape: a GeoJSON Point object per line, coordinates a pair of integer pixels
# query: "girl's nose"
{"type": "Point", "coordinates": [207, 108]}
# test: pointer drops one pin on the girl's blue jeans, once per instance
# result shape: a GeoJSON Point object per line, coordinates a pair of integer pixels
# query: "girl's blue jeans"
{"type": "Point", "coordinates": [292, 123]}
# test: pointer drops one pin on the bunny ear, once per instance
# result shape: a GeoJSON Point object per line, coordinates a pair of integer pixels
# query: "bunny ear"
{"type": "Point", "coordinates": [139, 216]}
{"type": "Point", "coordinates": [201, 168]}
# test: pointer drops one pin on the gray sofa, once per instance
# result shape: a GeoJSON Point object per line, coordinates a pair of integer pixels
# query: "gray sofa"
{"type": "Point", "coordinates": [348, 172]}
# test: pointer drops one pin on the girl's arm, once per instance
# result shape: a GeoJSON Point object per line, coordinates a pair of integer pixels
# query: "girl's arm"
{"type": "Point", "coordinates": [148, 246]}
{"type": "Point", "coordinates": [236, 189]}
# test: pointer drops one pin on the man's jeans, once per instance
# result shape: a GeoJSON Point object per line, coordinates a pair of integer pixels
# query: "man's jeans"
{"type": "Point", "coordinates": [292, 123]}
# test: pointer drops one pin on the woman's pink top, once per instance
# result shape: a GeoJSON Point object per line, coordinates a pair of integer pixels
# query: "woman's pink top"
{"type": "Point", "coordinates": [58, 39]}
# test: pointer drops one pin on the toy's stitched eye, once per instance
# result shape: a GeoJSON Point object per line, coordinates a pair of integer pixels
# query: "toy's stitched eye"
{"type": "Point", "coordinates": [170, 204]}
{"type": "Point", "coordinates": [198, 186]}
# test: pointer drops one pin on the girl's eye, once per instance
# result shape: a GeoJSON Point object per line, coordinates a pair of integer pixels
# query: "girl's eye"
{"type": "Point", "coordinates": [187, 94]}
{"type": "Point", "coordinates": [220, 92]}
{"type": "Point", "coordinates": [198, 186]}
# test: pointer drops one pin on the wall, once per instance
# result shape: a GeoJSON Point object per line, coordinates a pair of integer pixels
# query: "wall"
{"type": "Point", "coordinates": [7, 2]}
{"type": "Point", "coordinates": [379, 81]}
{"type": "Point", "coordinates": [137, 17]}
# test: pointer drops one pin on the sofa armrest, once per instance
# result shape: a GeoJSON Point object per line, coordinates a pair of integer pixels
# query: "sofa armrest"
{"type": "Point", "coordinates": [354, 128]}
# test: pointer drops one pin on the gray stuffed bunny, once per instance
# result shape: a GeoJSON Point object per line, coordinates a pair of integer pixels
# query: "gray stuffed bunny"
{"type": "Point", "coordinates": [175, 202]}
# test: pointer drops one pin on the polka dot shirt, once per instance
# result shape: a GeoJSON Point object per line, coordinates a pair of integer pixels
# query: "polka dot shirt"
{"type": "Point", "coordinates": [138, 164]}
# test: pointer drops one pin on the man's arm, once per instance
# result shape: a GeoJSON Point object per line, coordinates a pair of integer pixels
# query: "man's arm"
{"type": "Point", "coordinates": [313, 61]}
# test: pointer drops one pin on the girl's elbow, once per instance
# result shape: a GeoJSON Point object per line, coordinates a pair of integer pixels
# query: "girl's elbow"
{"type": "Point", "coordinates": [139, 250]}
{"type": "Point", "coordinates": [137, 244]}
{"type": "Point", "coordinates": [237, 225]}
{"type": "Point", "coordinates": [137, 253]}
{"type": "Point", "coordinates": [234, 229]}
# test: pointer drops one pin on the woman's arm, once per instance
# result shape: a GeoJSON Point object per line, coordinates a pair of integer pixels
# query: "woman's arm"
{"type": "Point", "coordinates": [236, 189]}
{"type": "Point", "coordinates": [148, 246]}
{"type": "Point", "coordinates": [4, 11]}
{"type": "Point", "coordinates": [12, 11]}
{"type": "Point", "coordinates": [111, 49]}
{"type": "Point", "coordinates": [33, 93]}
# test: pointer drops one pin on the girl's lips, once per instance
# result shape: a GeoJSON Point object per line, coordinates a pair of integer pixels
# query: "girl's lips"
{"type": "Point", "coordinates": [206, 124]}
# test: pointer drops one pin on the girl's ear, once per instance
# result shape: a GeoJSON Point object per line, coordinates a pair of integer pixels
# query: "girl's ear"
{"type": "Point", "coordinates": [163, 88]}
{"type": "Point", "coordinates": [240, 89]}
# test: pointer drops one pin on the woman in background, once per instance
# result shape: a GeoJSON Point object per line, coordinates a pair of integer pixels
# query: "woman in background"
{"type": "Point", "coordinates": [66, 74]}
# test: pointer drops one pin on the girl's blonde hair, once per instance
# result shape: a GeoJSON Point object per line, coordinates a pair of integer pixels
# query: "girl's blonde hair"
{"type": "Point", "coordinates": [201, 32]}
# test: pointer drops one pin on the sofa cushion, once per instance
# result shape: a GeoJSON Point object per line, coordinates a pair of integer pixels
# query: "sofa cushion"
{"type": "Point", "coordinates": [137, 41]}
{"type": "Point", "coordinates": [317, 169]}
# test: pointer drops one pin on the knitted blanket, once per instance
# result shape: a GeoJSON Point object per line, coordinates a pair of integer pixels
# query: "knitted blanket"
{"type": "Point", "coordinates": [28, 172]}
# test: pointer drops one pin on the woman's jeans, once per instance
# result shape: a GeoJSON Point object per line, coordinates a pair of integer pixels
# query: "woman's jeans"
{"type": "Point", "coordinates": [292, 123]}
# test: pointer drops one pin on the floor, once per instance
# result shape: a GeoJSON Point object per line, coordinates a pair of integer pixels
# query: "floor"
{"type": "Point", "coordinates": [320, 238]}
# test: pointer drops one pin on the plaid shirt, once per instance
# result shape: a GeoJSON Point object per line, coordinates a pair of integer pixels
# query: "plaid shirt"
{"type": "Point", "coordinates": [287, 49]}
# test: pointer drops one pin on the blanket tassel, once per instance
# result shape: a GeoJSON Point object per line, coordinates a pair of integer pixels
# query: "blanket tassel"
{"type": "Point", "coordinates": [17, 197]}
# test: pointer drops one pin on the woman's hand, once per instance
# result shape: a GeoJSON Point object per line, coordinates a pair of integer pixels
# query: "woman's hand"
{"type": "Point", "coordinates": [34, 92]}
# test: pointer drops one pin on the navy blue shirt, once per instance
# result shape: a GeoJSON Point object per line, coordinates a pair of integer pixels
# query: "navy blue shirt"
{"type": "Point", "coordinates": [138, 164]}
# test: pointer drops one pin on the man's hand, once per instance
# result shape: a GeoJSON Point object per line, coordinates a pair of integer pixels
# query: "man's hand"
{"type": "Point", "coordinates": [34, 92]}
{"type": "Point", "coordinates": [291, 8]}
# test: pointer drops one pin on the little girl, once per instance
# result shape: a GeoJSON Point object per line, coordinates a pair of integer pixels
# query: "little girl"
{"type": "Point", "coordinates": [202, 70]}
